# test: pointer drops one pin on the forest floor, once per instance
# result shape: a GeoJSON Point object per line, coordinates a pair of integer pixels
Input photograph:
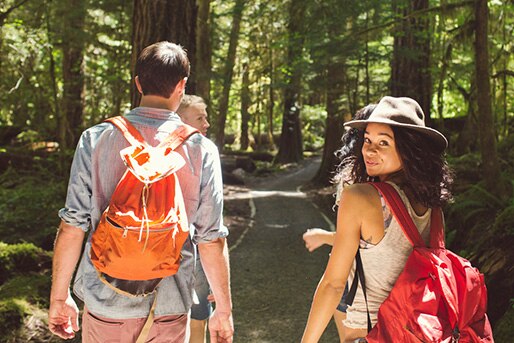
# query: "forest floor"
{"type": "Point", "coordinates": [273, 276]}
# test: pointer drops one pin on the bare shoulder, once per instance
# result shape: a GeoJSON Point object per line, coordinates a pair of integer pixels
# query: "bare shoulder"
{"type": "Point", "coordinates": [362, 193]}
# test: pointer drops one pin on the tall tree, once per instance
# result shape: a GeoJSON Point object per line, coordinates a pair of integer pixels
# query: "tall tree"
{"type": "Point", "coordinates": [410, 67]}
{"type": "Point", "coordinates": [490, 164]}
{"type": "Point", "coordinates": [73, 43]}
{"type": "Point", "coordinates": [291, 145]}
{"type": "Point", "coordinates": [237, 15]}
{"type": "Point", "coordinates": [158, 20]}
{"type": "Point", "coordinates": [245, 103]}
{"type": "Point", "coordinates": [202, 63]}
{"type": "Point", "coordinates": [334, 122]}
{"type": "Point", "coordinates": [334, 58]}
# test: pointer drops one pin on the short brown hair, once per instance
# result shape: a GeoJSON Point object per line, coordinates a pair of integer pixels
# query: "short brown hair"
{"type": "Point", "coordinates": [160, 67]}
{"type": "Point", "coordinates": [190, 100]}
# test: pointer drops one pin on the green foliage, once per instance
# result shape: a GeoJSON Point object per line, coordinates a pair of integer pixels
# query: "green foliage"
{"type": "Point", "coordinates": [31, 88]}
{"type": "Point", "coordinates": [33, 288]}
{"type": "Point", "coordinates": [12, 313]}
{"type": "Point", "coordinates": [313, 121]}
{"type": "Point", "coordinates": [21, 258]}
{"type": "Point", "coordinates": [504, 330]}
{"type": "Point", "coordinates": [478, 215]}
{"type": "Point", "coordinates": [480, 227]}
{"type": "Point", "coordinates": [29, 202]}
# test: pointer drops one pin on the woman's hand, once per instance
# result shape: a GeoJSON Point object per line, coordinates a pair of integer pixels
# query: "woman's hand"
{"type": "Point", "coordinates": [315, 237]}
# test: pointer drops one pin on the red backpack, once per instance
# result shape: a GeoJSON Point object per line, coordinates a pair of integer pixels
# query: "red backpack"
{"type": "Point", "coordinates": [438, 297]}
{"type": "Point", "coordinates": [141, 233]}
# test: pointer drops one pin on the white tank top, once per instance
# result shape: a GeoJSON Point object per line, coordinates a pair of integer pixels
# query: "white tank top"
{"type": "Point", "coordinates": [383, 263]}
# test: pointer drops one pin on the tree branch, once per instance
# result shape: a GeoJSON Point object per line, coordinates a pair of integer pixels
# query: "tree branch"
{"type": "Point", "coordinates": [504, 72]}
{"type": "Point", "coordinates": [416, 14]}
{"type": "Point", "coordinates": [4, 15]}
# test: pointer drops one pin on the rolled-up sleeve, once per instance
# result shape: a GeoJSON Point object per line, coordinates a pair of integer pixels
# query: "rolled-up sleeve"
{"type": "Point", "coordinates": [209, 217]}
{"type": "Point", "coordinates": [77, 210]}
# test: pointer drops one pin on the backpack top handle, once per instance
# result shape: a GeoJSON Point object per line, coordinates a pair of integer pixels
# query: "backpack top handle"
{"type": "Point", "coordinates": [134, 137]}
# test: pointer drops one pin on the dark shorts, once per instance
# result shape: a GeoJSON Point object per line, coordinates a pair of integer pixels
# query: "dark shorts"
{"type": "Point", "coordinates": [342, 305]}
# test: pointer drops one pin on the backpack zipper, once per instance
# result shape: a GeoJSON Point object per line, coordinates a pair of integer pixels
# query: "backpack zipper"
{"type": "Point", "coordinates": [126, 229]}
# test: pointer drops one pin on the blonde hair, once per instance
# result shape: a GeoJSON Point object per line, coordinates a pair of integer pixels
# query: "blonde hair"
{"type": "Point", "coordinates": [189, 100]}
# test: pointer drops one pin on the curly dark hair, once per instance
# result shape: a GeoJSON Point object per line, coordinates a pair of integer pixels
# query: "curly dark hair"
{"type": "Point", "coordinates": [426, 171]}
{"type": "Point", "coordinates": [352, 143]}
{"type": "Point", "coordinates": [427, 175]}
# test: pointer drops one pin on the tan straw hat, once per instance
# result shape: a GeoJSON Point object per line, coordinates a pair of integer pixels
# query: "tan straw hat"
{"type": "Point", "coordinates": [402, 112]}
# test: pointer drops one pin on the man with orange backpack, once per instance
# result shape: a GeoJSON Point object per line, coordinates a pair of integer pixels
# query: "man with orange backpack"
{"type": "Point", "coordinates": [147, 187]}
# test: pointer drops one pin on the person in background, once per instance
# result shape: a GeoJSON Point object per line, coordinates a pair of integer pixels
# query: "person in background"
{"type": "Point", "coordinates": [316, 237]}
{"type": "Point", "coordinates": [399, 149]}
{"type": "Point", "coordinates": [193, 111]}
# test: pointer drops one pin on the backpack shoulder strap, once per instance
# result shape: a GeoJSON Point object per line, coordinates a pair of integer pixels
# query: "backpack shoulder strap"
{"type": "Point", "coordinates": [128, 130]}
{"type": "Point", "coordinates": [178, 136]}
{"type": "Point", "coordinates": [400, 212]}
{"type": "Point", "coordinates": [437, 228]}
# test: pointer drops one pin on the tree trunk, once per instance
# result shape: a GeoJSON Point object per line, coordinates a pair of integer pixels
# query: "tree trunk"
{"type": "Point", "coordinates": [203, 64]}
{"type": "Point", "coordinates": [411, 55]}
{"type": "Point", "coordinates": [334, 124]}
{"type": "Point", "coordinates": [490, 164]}
{"type": "Point", "coordinates": [443, 75]}
{"type": "Point", "coordinates": [73, 43]}
{"type": "Point", "coordinates": [290, 148]}
{"type": "Point", "coordinates": [366, 64]}
{"type": "Point", "coordinates": [271, 101]}
{"type": "Point", "coordinates": [245, 103]}
{"type": "Point", "coordinates": [163, 20]}
{"type": "Point", "coordinates": [229, 71]}
{"type": "Point", "coordinates": [467, 139]}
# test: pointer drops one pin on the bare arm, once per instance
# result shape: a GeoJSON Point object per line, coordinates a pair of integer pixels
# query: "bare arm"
{"type": "Point", "coordinates": [63, 312]}
{"type": "Point", "coordinates": [314, 238]}
{"type": "Point", "coordinates": [215, 262]}
{"type": "Point", "coordinates": [352, 209]}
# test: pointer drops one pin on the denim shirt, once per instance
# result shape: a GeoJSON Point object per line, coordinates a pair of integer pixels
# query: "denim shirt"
{"type": "Point", "coordinates": [97, 167]}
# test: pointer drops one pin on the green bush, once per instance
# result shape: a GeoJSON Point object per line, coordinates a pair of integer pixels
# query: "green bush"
{"type": "Point", "coordinates": [29, 202]}
{"type": "Point", "coordinates": [22, 258]}
{"type": "Point", "coordinates": [480, 227]}
{"type": "Point", "coordinates": [504, 330]}
{"type": "Point", "coordinates": [12, 313]}
{"type": "Point", "coordinates": [33, 288]}
{"type": "Point", "coordinates": [313, 129]}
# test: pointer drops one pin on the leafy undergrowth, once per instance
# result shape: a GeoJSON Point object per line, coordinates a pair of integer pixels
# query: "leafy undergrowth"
{"type": "Point", "coordinates": [29, 202]}
{"type": "Point", "coordinates": [24, 291]}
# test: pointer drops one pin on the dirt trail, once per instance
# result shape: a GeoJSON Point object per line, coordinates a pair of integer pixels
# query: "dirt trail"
{"type": "Point", "coordinates": [273, 275]}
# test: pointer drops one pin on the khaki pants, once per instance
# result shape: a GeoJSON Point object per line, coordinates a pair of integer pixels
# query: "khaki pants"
{"type": "Point", "coordinates": [165, 329]}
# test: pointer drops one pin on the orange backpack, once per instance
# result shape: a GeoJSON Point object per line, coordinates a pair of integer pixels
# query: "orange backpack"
{"type": "Point", "coordinates": [141, 233]}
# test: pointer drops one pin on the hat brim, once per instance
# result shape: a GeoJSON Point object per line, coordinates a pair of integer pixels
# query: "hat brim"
{"type": "Point", "coordinates": [433, 134]}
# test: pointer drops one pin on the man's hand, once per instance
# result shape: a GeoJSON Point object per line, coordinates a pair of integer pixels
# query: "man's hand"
{"type": "Point", "coordinates": [221, 327]}
{"type": "Point", "coordinates": [63, 318]}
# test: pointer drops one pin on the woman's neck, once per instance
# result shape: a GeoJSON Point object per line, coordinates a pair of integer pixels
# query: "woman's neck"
{"type": "Point", "coordinates": [397, 177]}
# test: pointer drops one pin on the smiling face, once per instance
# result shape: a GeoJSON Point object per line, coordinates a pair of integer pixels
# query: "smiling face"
{"type": "Point", "coordinates": [196, 116]}
{"type": "Point", "coordinates": [379, 151]}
